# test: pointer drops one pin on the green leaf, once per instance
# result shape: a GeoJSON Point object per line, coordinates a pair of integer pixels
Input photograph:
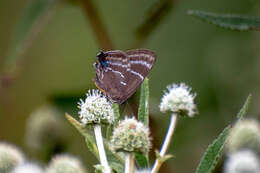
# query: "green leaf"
{"type": "Point", "coordinates": [143, 116]}
{"type": "Point", "coordinates": [141, 160]}
{"type": "Point", "coordinates": [89, 139]}
{"type": "Point", "coordinates": [35, 16]}
{"type": "Point", "coordinates": [244, 109]}
{"type": "Point", "coordinates": [164, 158]}
{"type": "Point", "coordinates": [212, 154]}
{"type": "Point", "coordinates": [143, 111]}
{"type": "Point", "coordinates": [115, 160]}
{"type": "Point", "coordinates": [108, 131]}
{"type": "Point", "coordinates": [228, 21]}
{"type": "Point", "coordinates": [117, 114]}
{"type": "Point", "coordinates": [119, 168]}
{"type": "Point", "coordinates": [214, 150]}
{"type": "Point", "coordinates": [115, 155]}
{"type": "Point", "coordinates": [99, 168]}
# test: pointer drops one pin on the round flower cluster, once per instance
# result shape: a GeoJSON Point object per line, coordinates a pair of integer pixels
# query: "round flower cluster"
{"type": "Point", "coordinates": [28, 168]}
{"type": "Point", "coordinates": [45, 129]}
{"type": "Point", "coordinates": [241, 162]}
{"type": "Point", "coordinates": [179, 99]}
{"type": "Point", "coordinates": [10, 157]}
{"type": "Point", "coordinates": [96, 109]}
{"type": "Point", "coordinates": [245, 134]}
{"type": "Point", "coordinates": [65, 163]}
{"type": "Point", "coordinates": [131, 136]}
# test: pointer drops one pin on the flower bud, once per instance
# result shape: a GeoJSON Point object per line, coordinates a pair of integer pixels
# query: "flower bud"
{"type": "Point", "coordinates": [65, 164]}
{"type": "Point", "coordinates": [28, 168]}
{"type": "Point", "coordinates": [131, 136]}
{"type": "Point", "coordinates": [245, 134]}
{"type": "Point", "coordinates": [244, 161]}
{"type": "Point", "coordinates": [46, 132]}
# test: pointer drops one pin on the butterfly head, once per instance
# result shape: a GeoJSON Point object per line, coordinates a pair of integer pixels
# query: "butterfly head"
{"type": "Point", "coordinates": [101, 56]}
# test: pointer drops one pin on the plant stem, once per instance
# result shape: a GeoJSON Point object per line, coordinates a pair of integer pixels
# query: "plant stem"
{"type": "Point", "coordinates": [166, 143]}
{"type": "Point", "coordinates": [13, 68]}
{"type": "Point", "coordinates": [154, 17]}
{"type": "Point", "coordinates": [37, 27]}
{"type": "Point", "coordinates": [97, 25]}
{"type": "Point", "coordinates": [129, 163]}
{"type": "Point", "coordinates": [101, 150]}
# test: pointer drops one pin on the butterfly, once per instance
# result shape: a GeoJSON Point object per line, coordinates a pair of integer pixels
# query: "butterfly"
{"type": "Point", "coordinates": [119, 74]}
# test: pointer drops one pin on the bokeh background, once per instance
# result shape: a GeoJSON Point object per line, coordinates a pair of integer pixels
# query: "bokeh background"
{"type": "Point", "coordinates": [221, 66]}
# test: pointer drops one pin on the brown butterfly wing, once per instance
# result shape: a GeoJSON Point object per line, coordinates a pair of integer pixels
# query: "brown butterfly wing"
{"type": "Point", "coordinates": [141, 61]}
{"type": "Point", "coordinates": [111, 79]}
{"type": "Point", "coordinates": [125, 73]}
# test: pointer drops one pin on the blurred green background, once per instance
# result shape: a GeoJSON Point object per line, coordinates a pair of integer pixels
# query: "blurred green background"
{"type": "Point", "coordinates": [221, 66]}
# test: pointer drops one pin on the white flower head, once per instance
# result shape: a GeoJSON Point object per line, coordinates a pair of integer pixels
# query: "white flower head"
{"type": "Point", "coordinates": [45, 129]}
{"type": "Point", "coordinates": [65, 163]}
{"type": "Point", "coordinates": [10, 157]}
{"type": "Point", "coordinates": [244, 161]}
{"type": "Point", "coordinates": [245, 134]}
{"type": "Point", "coordinates": [96, 109]}
{"type": "Point", "coordinates": [28, 168]}
{"type": "Point", "coordinates": [131, 136]}
{"type": "Point", "coordinates": [179, 99]}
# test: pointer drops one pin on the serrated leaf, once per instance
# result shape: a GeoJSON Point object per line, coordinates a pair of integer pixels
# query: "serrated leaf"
{"type": "Point", "coordinates": [76, 124]}
{"type": "Point", "coordinates": [228, 21]}
{"type": "Point", "coordinates": [244, 109]}
{"type": "Point", "coordinates": [92, 145]}
{"type": "Point", "coordinates": [31, 23]}
{"type": "Point", "coordinates": [89, 139]}
{"type": "Point", "coordinates": [143, 110]}
{"type": "Point", "coordinates": [116, 113]}
{"type": "Point", "coordinates": [212, 154]}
